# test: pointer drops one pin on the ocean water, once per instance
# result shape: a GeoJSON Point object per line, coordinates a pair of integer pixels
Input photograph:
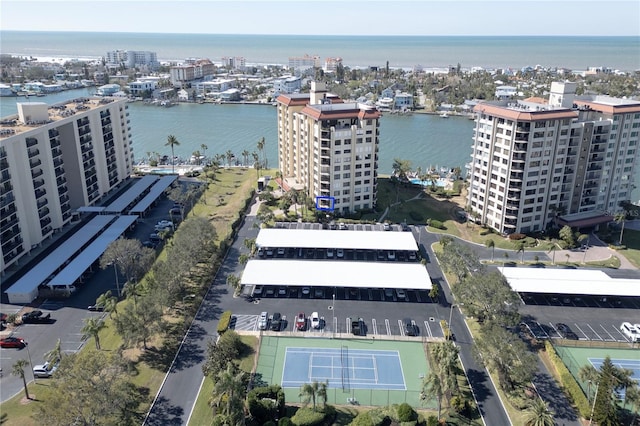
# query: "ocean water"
{"type": "Point", "coordinates": [577, 53]}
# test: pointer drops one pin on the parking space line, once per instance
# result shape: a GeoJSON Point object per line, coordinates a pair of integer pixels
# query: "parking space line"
{"type": "Point", "coordinates": [428, 328]}
{"type": "Point", "coordinates": [401, 326]}
{"type": "Point", "coordinates": [583, 333]}
{"type": "Point", "coordinates": [605, 330]}
{"type": "Point", "coordinates": [594, 332]}
{"type": "Point", "coordinates": [553, 327]}
{"type": "Point", "coordinates": [386, 323]}
{"type": "Point", "coordinates": [624, 338]}
{"type": "Point", "coordinates": [375, 326]}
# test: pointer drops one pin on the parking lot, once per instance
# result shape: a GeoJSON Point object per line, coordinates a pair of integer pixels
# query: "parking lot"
{"type": "Point", "coordinates": [340, 293]}
{"type": "Point", "coordinates": [582, 301]}
{"type": "Point", "coordinates": [338, 324]}
{"type": "Point", "coordinates": [342, 226]}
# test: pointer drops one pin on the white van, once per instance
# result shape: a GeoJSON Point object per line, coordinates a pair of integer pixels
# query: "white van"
{"type": "Point", "coordinates": [63, 288]}
{"type": "Point", "coordinates": [630, 331]}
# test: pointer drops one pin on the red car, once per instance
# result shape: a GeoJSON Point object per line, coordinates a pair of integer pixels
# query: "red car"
{"type": "Point", "coordinates": [301, 321]}
{"type": "Point", "coordinates": [13, 342]}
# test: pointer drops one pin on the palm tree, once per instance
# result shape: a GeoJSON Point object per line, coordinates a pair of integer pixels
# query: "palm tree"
{"type": "Point", "coordinates": [553, 249]}
{"type": "Point", "coordinates": [234, 282]}
{"type": "Point", "coordinates": [321, 393]}
{"type": "Point", "coordinates": [245, 157]}
{"type": "Point", "coordinates": [538, 414]}
{"type": "Point", "coordinates": [256, 162]}
{"type": "Point", "coordinates": [492, 245]}
{"type": "Point", "coordinates": [229, 388]}
{"type": "Point", "coordinates": [55, 354]}
{"type": "Point", "coordinates": [260, 147]}
{"type": "Point", "coordinates": [108, 302]}
{"type": "Point", "coordinates": [632, 396]}
{"type": "Point", "coordinates": [18, 371]}
{"type": "Point", "coordinates": [520, 248]}
{"type": "Point", "coordinates": [204, 148]}
{"type": "Point", "coordinates": [93, 326]}
{"type": "Point", "coordinates": [589, 374]}
{"type": "Point", "coordinates": [432, 388]}
{"type": "Point", "coordinates": [172, 141]}
{"type": "Point", "coordinates": [230, 157]}
{"type": "Point", "coordinates": [309, 392]}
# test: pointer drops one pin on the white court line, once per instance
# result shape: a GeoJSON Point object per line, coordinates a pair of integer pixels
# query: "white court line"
{"type": "Point", "coordinates": [594, 332]}
{"type": "Point", "coordinates": [375, 369]}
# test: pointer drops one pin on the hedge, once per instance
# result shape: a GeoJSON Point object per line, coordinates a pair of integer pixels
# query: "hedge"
{"type": "Point", "coordinates": [223, 323]}
{"type": "Point", "coordinates": [569, 382]}
{"type": "Point", "coordinates": [307, 417]}
{"type": "Point", "coordinates": [436, 224]}
{"type": "Point", "coordinates": [406, 413]}
{"type": "Point", "coordinates": [261, 406]}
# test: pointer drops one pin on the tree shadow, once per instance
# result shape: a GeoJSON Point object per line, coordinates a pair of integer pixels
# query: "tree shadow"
{"type": "Point", "coordinates": [163, 413]}
{"type": "Point", "coordinates": [477, 381]}
{"type": "Point", "coordinates": [553, 395]}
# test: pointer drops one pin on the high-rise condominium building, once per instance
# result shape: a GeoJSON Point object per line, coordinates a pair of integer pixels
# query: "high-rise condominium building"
{"type": "Point", "coordinates": [54, 159]}
{"type": "Point", "coordinates": [569, 160]}
{"type": "Point", "coordinates": [329, 148]}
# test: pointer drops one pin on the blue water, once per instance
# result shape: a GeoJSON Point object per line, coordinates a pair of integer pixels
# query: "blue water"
{"type": "Point", "coordinates": [576, 53]}
{"type": "Point", "coordinates": [441, 182]}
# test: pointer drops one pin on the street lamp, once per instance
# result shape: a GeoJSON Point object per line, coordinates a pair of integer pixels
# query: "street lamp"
{"type": "Point", "coordinates": [333, 314]}
{"type": "Point", "coordinates": [31, 363]}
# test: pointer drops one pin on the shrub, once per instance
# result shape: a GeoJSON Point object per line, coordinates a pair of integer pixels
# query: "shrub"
{"type": "Point", "coordinates": [285, 421]}
{"type": "Point", "coordinates": [516, 236]}
{"type": "Point", "coordinates": [406, 413]}
{"type": "Point", "coordinates": [362, 419]}
{"type": "Point", "coordinates": [307, 417]}
{"type": "Point", "coordinates": [223, 323]}
{"type": "Point", "coordinates": [445, 329]}
{"type": "Point", "coordinates": [432, 421]}
{"type": "Point", "coordinates": [569, 382]}
{"type": "Point", "coordinates": [437, 224]}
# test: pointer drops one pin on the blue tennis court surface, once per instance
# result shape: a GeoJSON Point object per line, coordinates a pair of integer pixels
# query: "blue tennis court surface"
{"type": "Point", "coordinates": [627, 364]}
{"type": "Point", "coordinates": [343, 368]}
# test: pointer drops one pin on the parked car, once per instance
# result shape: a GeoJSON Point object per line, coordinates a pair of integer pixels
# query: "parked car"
{"type": "Point", "coordinates": [95, 308]}
{"type": "Point", "coordinates": [566, 332]}
{"type": "Point", "coordinates": [386, 226]}
{"type": "Point", "coordinates": [391, 255]}
{"type": "Point", "coordinates": [340, 253]}
{"type": "Point", "coordinates": [318, 293]}
{"type": "Point", "coordinates": [276, 321]}
{"type": "Point", "coordinates": [329, 253]}
{"type": "Point", "coordinates": [315, 320]}
{"type": "Point", "coordinates": [155, 238]}
{"type": "Point", "coordinates": [263, 322]}
{"type": "Point", "coordinates": [44, 371]}
{"type": "Point", "coordinates": [342, 226]}
{"type": "Point", "coordinates": [281, 251]}
{"type": "Point", "coordinates": [149, 244]}
{"type": "Point", "coordinates": [630, 331]}
{"type": "Point", "coordinates": [306, 291]}
{"type": "Point", "coordinates": [301, 321]}
{"type": "Point", "coordinates": [410, 328]}
{"type": "Point", "coordinates": [175, 211]}
{"type": "Point", "coordinates": [257, 291]}
{"type": "Point", "coordinates": [401, 294]}
{"type": "Point", "coordinates": [36, 317]}
{"type": "Point", "coordinates": [13, 342]}
{"type": "Point", "coordinates": [164, 223]}
{"type": "Point", "coordinates": [282, 291]}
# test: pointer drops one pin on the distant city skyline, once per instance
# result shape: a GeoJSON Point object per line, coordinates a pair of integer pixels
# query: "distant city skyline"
{"type": "Point", "coordinates": [328, 17]}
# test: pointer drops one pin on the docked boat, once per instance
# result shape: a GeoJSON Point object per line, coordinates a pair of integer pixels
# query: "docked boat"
{"type": "Point", "coordinates": [444, 115]}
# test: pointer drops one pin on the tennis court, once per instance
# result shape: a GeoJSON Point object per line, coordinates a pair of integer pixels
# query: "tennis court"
{"type": "Point", "coordinates": [343, 368]}
{"type": "Point", "coordinates": [357, 371]}
{"type": "Point", "coordinates": [628, 364]}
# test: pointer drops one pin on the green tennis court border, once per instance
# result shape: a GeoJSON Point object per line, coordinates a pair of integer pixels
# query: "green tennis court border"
{"type": "Point", "coordinates": [412, 358]}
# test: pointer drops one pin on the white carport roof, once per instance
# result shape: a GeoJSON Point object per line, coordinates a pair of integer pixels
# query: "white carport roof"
{"type": "Point", "coordinates": [122, 202]}
{"type": "Point", "coordinates": [155, 191]}
{"type": "Point", "coordinates": [336, 273]}
{"type": "Point", "coordinates": [569, 281]}
{"type": "Point", "coordinates": [359, 240]}
{"type": "Point", "coordinates": [84, 260]}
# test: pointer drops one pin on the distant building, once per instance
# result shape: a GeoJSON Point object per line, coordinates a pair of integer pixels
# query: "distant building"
{"type": "Point", "coordinates": [54, 160]}
{"type": "Point", "coordinates": [129, 59]}
{"type": "Point", "coordinates": [569, 160]}
{"type": "Point", "coordinates": [304, 62]}
{"type": "Point", "coordinates": [506, 92]}
{"type": "Point", "coordinates": [108, 89]}
{"type": "Point", "coordinates": [287, 85]}
{"type": "Point", "coordinates": [197, 70]}
{"type": "Point", "coordinates": [234, 63]}
{"type": "Point", "coordinates": [329, 148]}
{"type": "Point", "coordinates": [140, 87]}
{"type": "Point", "coordinates": [331, 64]}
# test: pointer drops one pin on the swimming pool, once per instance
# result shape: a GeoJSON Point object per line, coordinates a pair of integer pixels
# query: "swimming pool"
{"type": "Point", "coordinates": [440, 182]}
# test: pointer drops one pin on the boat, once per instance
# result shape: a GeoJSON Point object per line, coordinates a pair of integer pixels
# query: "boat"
{"type": "Point", "coordinates": [444, 115]}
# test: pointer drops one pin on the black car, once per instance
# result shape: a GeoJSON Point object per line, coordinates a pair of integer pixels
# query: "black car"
{"type": "Point", "coordinates": [276, 321]}
{"type": "Point", "coordinates": [410, 328]}
{"type": "Point", "coordinates": [36, 317]}
{"type": "Point", "coordinates": [565, 331]}
{"type": "Point", "coordinates": [95, 308]}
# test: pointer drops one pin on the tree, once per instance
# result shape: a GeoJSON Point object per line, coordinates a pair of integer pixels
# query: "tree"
{"type": "Point", "coordinates": [204, 148]}
{"type": "Point", "coordinates": [93, 326]}
{"type": "Point", "coordinates": [245, 157]}
{"type": "Point", "coordinates": [18, 371]}
{"type": "Point", "coordinates": [172, 141]}
{"type": "Point", "coordinates": [566, 235]}
{"type": "Point", "coordinates": [401, 168]}
{"type": "Point", "coordinates": [538, 414]}
{"type": "Point", "coordinates": [620, 219]}
{"type": "Point", "coordinates": [129, 257]}
{"type": "Point", "coordinates": [458, 259]}
{"type": "Point", "coordinates": [250, 244]}
{"type": "Point", "coordinates": [310, 391]}
{"type": "Point", "coordinates": [604, 408]}
{"type": "Point", "coordinates": [234, 282]}
{"type": "Point", "coordinates": [137, 322]}
{"type": "Point", "coordinates": [432, 389]}
{"type": "Point", "coordinates": [445, 364]}
{"type": "Point", "coordinates": [219, 354]}
{"type": "Point", "coordinates": [520, 249]}
{"type": "Point", "coordinates": [260, 145]}
{"type": "Point", "coordinates": [256, 163]}
{"type": "Point", "coordinates": [589, 374]}
{"type": "Point", "coordinates": [230, 157]}
{"type": "Point", "coordinates": [54, 355]}
{"type": "Point", "coordinates": [108, 302]}
{"type": "Point", "coordinates": [492, 245]}
{"type": "Point", "coordinates": [227, 397]}
{"type": "Point", "coordinates": [489, 297]}
{"type": "Point", "coordinates": [553, 249]}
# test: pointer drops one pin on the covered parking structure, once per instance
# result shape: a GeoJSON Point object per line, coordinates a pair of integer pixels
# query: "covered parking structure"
{"type": "Point", "coordinates": [123, 202]}
{"type": "Point", "coordinates": [25, 289]}
{"type": "Point", "coordinates": [154, 193]}
{"type": "Point", "coordinates": [569, 282]}
{"type": "Point", "coordinates": [338, 239]}
{"type": "Point", "coordinates": [72, 273]}
{"type": "Point", "coordinates": [309, 273]}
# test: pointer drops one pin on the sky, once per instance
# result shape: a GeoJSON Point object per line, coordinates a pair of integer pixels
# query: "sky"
{"type": "Point", "coordinates": [328, 17]}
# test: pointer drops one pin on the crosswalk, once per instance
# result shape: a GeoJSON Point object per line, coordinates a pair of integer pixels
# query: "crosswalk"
{"type": "Point", "coordinates": [373, 326]}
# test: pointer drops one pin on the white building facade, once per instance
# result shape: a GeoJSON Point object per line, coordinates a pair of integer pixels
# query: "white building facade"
{"type": "Point", "coordinates": [329, 148]}
{"type": "Point", "coordinates": [534, 162]}
{"type": "Point", "coordinates": [54, 160]}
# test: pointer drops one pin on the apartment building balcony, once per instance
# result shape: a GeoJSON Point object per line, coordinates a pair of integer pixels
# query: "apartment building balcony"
{"type": "Point", "coordinates": [519, 158]}
{"type": "Point", "coordinates": [41, 203]}
{"type": "Point", "coordinates": [596, 149]}
{"type": "Point", "coordinates": [31, 142]}
{"type": "Point", "coordinates": [64, 198]}
{"type": "Point", "coordinates": [569, 170]}
{"type": "Point", "coordinates": [55, 142]}
{"type": "Point", "coordinates": [596, 158]}
{"type": "Point", "coordinates": [86, 148]}
{"type": "Point", "coordinates": [325, 162]}
{"type": "Point", "coordinates": [8, 210]}
{"type": "Point", "coordinates": [6, 199]}
{"type": "Point", "coordinates": [594, 167]}
{"type": "Point", "coordinates": [570, 161]}
{"type": "Point", "coordinates": [513, 206]}
{"type": "Point", "coordinates": [9, 233]}
{"type": "Point", "coordinates": [36, 172]}
{"type": "Point", "coordinates": [519, 147]}
{"type": "Point", "coordinates": [43, 212]}
{"type": "Point", "coordinates": [56, 152]}
{"type": "Point", "coordinates": [590, 185]}
{"type": "Point", "coordinates": [40, 192]}
{"type": "Point", "coordinates": [59, 171]}
{"type": "Point", "coordinates": [523, 127]}
{"type": "Point", "coordinates": [57, 162]}
{"type": "Point", "coordinates": [33, 152]}
{"type": "Point", "coordinates": [38, 183]}
{"type": "Point", "coordinates": [516, 177]}
{"type": "Point", "coordinates": [46, 230]}
{"type": "Point", "coordinates": [325, 153]}
{"type": "Point", "coordinates": [61, 181]}
{"type": "Point", "coordinates": [9, 221]}
{"type": "Point", "coordinates": [4, 164]}
{"type": "Point", "coordinates": [513, 195]}
{"type": "Point", "coordinates": [11, 245]}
